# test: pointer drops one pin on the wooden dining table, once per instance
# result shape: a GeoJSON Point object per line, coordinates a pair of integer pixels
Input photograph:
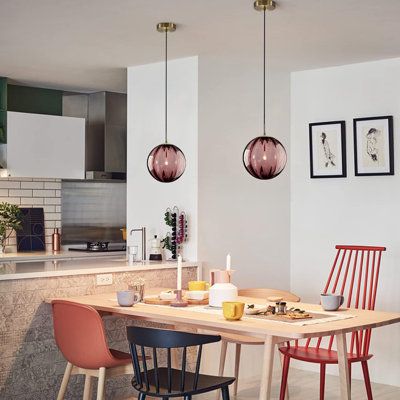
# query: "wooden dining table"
{"type": "Point", "coordinates": [271, 332]}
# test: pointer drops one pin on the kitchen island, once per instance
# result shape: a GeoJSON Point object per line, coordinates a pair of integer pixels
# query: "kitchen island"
{"type": "Point", "coordinates": [31, 362]}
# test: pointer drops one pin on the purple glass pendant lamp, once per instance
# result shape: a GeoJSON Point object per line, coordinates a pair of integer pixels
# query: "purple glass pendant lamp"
{"type": "Point", "coordinates": [166, 162]}
{"type": "Point", "coordinates": [264, 157]}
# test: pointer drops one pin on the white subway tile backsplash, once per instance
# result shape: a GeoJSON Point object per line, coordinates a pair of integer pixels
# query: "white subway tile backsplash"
{"type": "Point", "coordinates": [11, 200]}
{"type": "Point", "coordinates": [53, 216]}
{"type": "Point", "coordinates": [50, 224]}
{"type": "Point", "coordinates": [52, 185]}
{"type": "Point", "coordinates": [50, 209]}
{"type": "Point", "coordinates": [32, 200]}
{"type": "Point", "coordinates": [34, 192]}
{"type": "Point", "coordinates": [20, 192]}
{"type": "Point", "coordinates": [53, 200]}
{"type": "Point", "coordinates": [12, 240]}
{"type": "Point", "coordinates": [49, 231]}
{"type": "Point", "coordinates": [9, 184]}
{"type": "Point", "coordinates": [44, 193]}
{"type": "Point", "coordinates": [32, 185]}
{"type": "Point", "coordinates": [20, 179]}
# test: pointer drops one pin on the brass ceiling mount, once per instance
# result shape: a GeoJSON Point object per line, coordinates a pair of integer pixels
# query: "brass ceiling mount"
{"type": "Point", "coordinates": [164, 27]}
{"type": "Point", "coordinates": [262, 5]}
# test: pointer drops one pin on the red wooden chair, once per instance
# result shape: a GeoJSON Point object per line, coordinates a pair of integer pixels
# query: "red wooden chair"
{"type": "Point", "coordinates": [354, 274]}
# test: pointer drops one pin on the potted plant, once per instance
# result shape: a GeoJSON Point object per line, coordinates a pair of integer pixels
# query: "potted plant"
{"type": "Point", "coordinates": [10, 221]}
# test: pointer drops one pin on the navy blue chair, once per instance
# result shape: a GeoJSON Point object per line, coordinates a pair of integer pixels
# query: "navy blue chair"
{"type": "Point", "coordinates": [166, 382]}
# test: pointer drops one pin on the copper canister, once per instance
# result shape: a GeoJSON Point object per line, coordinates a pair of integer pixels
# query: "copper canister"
{"type": "Point", "coordinates": [56, 240]}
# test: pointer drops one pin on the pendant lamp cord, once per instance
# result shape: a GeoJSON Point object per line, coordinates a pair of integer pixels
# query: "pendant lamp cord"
{"type": "Point", "coordinates": [166, 87]}
{"type": "Point", "coordinates": [264, 80]}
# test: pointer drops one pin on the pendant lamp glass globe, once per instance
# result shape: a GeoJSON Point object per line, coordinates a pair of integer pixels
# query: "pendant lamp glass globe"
{"type": "Point", "coordinates": [264, 157]}
{"type": "Point", "coordinates": [166, 163]}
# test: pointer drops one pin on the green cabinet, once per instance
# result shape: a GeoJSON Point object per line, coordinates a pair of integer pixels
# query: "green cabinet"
{"type": "Point", "coordinates": [26, 99]}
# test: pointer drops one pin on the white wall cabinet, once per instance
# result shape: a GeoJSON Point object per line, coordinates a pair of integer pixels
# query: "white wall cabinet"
{"type": "Point", "coordinates": [44, 146]}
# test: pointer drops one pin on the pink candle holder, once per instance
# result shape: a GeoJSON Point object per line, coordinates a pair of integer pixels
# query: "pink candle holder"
{"type": "Point", "coordinates": [179, 302]}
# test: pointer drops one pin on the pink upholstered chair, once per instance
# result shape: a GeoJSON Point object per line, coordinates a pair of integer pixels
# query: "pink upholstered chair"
{"type": "Point", "coordinates": [354, 274]}
{"type": "Point", "coordinates": [79, 334]}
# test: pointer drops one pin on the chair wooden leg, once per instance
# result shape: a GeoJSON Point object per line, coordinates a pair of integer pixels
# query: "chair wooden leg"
{"type": "Point", "coordinates": [367, 379]}
{"type": "Point", "coordinates": [101, 383]}
{"type": "Point", "coordinates": [225, 393]}
{"type": "Point", "coordinates": [237, 364]}
{"type": "Point", "coordinates": [282, 359]}
{"type": "Point", "coordinates": [285, 372]}
{"type": "Point", "coordinates": [189, 397]}
{"type": "Point", "coordinates": [64, 382]}
{"type": "Point", "coordinates": [87, 390]}
{"type": "Point", "coordinates": [322, 381]}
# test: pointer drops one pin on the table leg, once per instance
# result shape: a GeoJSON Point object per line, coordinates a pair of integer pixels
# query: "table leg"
{"type": "Point", "coordinates": [345, 388]}
{"type": "Point", "coordinates": [268, 363]}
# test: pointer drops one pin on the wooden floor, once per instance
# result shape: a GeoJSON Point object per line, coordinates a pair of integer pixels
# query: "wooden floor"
{"type": "Point", "coordinates": [304, 385]}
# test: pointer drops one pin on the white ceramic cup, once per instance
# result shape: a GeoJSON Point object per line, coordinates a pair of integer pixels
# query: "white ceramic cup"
{"type": "Point", "coordinates": [127, 298]}
{"type": "Point", "coordinates": [331, 302]}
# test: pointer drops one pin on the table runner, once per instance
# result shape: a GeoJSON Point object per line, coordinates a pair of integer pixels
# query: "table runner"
{"type": "Point", "coordinates": [328, 316]}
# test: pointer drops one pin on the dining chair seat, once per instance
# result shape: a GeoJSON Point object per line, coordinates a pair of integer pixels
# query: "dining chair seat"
{"type": "Point", "coordinates": [319, 355]}
{"type": "Point", "coordinates": [205, 383]}
{"type": "Point", "coordinates": [119, 358]}
{"type": "Point", "coordinates": [162, 381]}
{"type": "Point", "coordinates": [80, 336]}
{"type": "Point", "coordinates": [354, 275]}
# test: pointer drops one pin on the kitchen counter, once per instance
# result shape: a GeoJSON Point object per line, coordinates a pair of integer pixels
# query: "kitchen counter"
{"type": "Point", "coordinates": [28, 349]}
{"type": "Point", "coordinates": [11, 270]}
{"type": "Point", "coordinates": [58, 255]}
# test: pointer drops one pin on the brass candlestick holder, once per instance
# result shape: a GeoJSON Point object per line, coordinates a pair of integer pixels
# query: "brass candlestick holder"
{"type": "Point", "coordinates": [179, 302]}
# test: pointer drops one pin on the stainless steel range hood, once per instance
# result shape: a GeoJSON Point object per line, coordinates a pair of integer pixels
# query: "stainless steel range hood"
{"type": "Point", "coordinates": [105, 113]}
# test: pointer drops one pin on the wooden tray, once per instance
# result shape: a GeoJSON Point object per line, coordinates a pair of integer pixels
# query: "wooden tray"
{"type": "Point", "coordinates": [159, 302]}
{"type": "Point", "coordinates": [197, 302]}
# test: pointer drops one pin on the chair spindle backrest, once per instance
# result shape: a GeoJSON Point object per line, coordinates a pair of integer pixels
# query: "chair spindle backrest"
{"type": "Point", "coordinates": [355, 274]}
{"type": "Point", "coordinates": [156, 339]}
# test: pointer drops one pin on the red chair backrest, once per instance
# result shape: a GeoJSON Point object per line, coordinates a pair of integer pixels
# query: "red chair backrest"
{"type": "Point", "coordinates": [355, 274]}
{"type": "Point", "coordinates": [79, 334]}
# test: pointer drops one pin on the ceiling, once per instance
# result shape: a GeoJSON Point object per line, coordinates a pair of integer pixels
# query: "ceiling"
{"type": "Point", "coordinates": [87, 44]}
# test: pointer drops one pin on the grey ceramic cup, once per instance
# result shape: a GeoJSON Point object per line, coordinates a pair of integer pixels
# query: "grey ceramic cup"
{"type": "Point", "coordinates": [127, 298]}
{"type": "Point", "coordinates": [331, 302]}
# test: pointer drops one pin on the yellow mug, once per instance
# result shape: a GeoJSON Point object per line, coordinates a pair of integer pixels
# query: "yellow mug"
{"type": "Point", "coordinates": [233, 310]}
{"type": "Point", "coordinates": [198, 285]}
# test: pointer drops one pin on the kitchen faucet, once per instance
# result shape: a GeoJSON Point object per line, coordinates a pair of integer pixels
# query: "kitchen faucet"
{"type": "Point", "coordinates": [143, 230]}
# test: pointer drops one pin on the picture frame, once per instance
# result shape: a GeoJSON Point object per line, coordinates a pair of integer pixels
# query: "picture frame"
{"type": "Point", "coordinates": [328, 149]}
{"type": "Point", "coordinates": [373, 146]}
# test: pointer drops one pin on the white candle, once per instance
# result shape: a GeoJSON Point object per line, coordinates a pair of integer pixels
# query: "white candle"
{"type": "Point", "coordinates": [179, 274]}
{"type": "Point", "coordinates": [228, 262]}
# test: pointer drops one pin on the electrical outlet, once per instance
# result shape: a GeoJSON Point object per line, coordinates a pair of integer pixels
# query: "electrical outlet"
{"type": "Point", "coordinates": [104, 279]}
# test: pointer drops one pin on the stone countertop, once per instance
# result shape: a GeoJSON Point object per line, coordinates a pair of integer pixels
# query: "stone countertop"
{"type": "Point", "coordinates": [57, 255]}
{"type": "Point", "coordinates": [54, 267]}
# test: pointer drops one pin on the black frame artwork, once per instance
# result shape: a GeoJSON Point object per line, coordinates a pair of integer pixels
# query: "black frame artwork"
{"type": "Point", "coordinates": [373, 147]}
{"type": "Point", "coordinates": [341, 170]}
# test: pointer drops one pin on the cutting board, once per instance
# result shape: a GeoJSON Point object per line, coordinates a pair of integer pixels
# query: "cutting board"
{"type": "Point", "coordinates": [157, 301]}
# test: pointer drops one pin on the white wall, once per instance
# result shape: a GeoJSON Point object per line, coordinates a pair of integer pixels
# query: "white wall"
{"type": "Point", "coordinates": [239, 214]}
{"type": "Point", "coordinates": [352, 210]}
{"type": "Point", "coordinates": [148, 199]}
